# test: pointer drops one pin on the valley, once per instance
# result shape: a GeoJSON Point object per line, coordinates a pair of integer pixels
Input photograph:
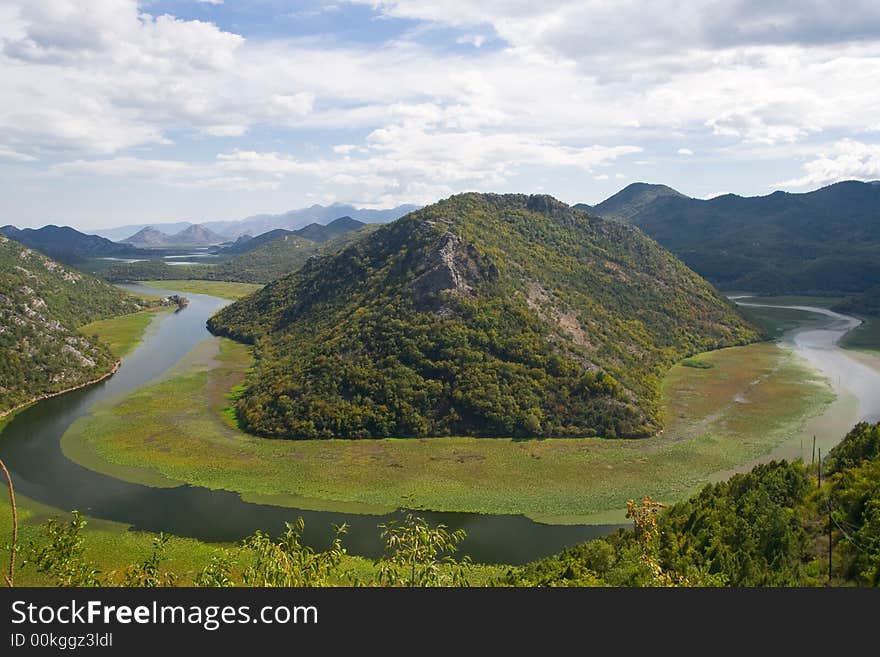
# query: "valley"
{"type": "Point", "coordinates": [162, 445]}
{"type": "Point", "coordinates": [183, 434]}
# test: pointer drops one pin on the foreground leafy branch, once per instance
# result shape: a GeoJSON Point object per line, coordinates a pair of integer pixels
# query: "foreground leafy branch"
{"type": "Point", "coordinates": [287, 562]}
{"type": "Point", "coordinates": [147, 574]}
{"type": "Point", "coordinates": [417, 555]}
{"type": "Point", "coordinates": [421, 555]}
{"type": "Point", "coordinates": [62, 558]}
{"type": "Point", "coordinates": [766, 527]}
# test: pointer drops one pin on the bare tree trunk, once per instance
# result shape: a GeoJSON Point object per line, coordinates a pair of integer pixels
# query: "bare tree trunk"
{"type": "Point", "coordinates": [10, 578]}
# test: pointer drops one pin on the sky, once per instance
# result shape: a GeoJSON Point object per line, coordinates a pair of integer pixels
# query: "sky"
{"type": "Point", "coordinates": [124, 111]}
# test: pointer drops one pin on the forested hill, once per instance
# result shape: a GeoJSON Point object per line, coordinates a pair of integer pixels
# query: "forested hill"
{"type": "Point", "coordinates": [826, 241]}
{"type": "Point", "coordinates": [479, 315]}
{"type": "Point", "coordinates": [632, 200]}
{"type": "Point", "coordinates": [67, 244]}
{"type": "Point", "coordinates": [336, 228]}
{"type": "Point", "coordinates": [766, 527]}
{"type": "Point", "coordinates": [41, 305]}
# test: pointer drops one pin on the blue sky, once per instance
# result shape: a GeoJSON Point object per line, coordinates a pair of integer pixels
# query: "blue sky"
{"type": "Point", "coordinates": [119, 111]}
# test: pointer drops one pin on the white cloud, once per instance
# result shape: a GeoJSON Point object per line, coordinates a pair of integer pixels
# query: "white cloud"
{"type": "Point", "coordinates": [565, 85]}
{"type": "Point", "coordinates": [685, 151]}
{"type": "Point", "coordinates": [603, 176]}
{"type": "Point", "coordinates": [787, 71]}
{"type": "Point", "coordinates": [225, 130]}
{"type": "Point", "coordinates": [10, 154]}
{"type": "Point", "coordinates": [476, 40]}
{"type": "Point", "coordinates": [409, 163]}
{"type": "Point", "coordinates": [400, 164]}
{"type": "Point", "coordinates": [109, 77]}
{"type": "Point", "coordinates": [559, 25]}
{"type": "Point", "coordinates": [172, 173]}
{"type": "Point", "coordinates": [293, 105]}
{"type": "Point", "coordinates": [844, 160]}
{"type": "Point", "coordinates": [112, 78]}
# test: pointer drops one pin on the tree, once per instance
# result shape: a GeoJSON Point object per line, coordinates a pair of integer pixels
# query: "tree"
{"type": "Point", "coordinates": [646, 532]}
{"type": "Point", "coordinates": [146, 574]}
{"type": "Point", "coordinates": [218, 572]}
{"type": "Point", "coordinates": [62, 558]}
{"type": "Point", "coordinates": [287, 562]}
{"type": "Point", "coordinates": [421, 555]}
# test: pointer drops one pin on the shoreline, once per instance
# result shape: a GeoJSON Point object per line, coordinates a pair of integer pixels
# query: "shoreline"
{"type": "Point", "coordinates": [49, 395]}
{"type": "Point", "coordinates": [546, 454]}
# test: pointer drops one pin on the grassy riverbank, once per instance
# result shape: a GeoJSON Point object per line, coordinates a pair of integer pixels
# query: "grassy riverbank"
{"type": "Point", "coordinates": [122, 334]}
{"type": "Point", "coordinates": [865, 337]}
{"type": "Point", "coordinates": [222, 289]}
{"type": "Point", "coordinates": [740, 405]}
{"type": "Point", "coordinates": [776, 321]}
{"type": "Point", "coordinates": [112, 547]}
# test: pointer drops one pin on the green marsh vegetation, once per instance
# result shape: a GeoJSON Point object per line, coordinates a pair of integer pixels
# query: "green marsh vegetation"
{"type": "Point", "coordinates": [766, 527]}
{"type": "Point", "coordinates": [222, 289]}
{"type": "Point", "coordinates": [164, 433]}
{"type": "Point", "coordinates": [122, 334]}
{"type": "Point", "coordinates": [865, 337]}
{"type": "Point", "coordinates": [770, 526]}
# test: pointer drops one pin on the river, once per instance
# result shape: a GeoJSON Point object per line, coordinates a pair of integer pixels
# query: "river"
{"type": "Point", "coordinates": [848, 372]}
{"type": "Point", "coordinates": [30, 446]}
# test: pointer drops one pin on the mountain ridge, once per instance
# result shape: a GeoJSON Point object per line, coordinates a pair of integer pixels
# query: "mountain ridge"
{"type": "Point", "coordinates": [194, 235]}
{"type": "Point", "coordinates": [41, 306]}
{"type": "Point", "coordinates": [631, 199]}
{"type": "Point", "coordinates": [825, 241]}
{"type": "Point", "coordinates": [481, 314]}
{"type": "Point", "coordinates": [67, 244]}
{"type": "Point", "coordinates": [261, 223]}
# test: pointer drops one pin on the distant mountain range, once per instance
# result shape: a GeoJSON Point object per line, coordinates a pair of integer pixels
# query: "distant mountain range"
{"type": "Point", "coordinates": [314, 232]}
{"type": "Point", "coordinates": [195, 235]}
{"type": "Point", "coordinates": [261, 223]}
{"type": "Point", "coordinates": [324, 233]}
{"type": "Point", "coordinates": [148, 236]}
{"type": "Point", "coordinates": [67, 244]}
{"type": "Point", "coordinates": [825, 241]}
{"type": "Point", "coordinates": [257, 259]}
{"type": "Point", "coordinates": [246, 243]}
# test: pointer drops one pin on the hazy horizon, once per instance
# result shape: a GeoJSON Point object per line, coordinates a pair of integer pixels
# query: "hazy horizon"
{"type": "Point", "coordinates": [156, 111]}
{"type": "Point", "coordinates": [177, 222]}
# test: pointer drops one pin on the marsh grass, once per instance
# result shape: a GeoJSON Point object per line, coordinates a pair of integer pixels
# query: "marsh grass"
{"type": "Point", "coordinates": [776, 321]}
{"type": "Point", "coordinates": [748, 400]}
{"type": "Point", "coordinates": [865, 337]}
{"type": "Point", "coordinates": [122, 334]}
{"type": "Point", "coordinates": [114, 546]}
{"type": "Point", "coordinates": [222, 289]}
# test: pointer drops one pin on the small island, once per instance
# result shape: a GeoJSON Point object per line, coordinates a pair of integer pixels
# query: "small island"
{"type": "Point", "coordinates": [175, 299]}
